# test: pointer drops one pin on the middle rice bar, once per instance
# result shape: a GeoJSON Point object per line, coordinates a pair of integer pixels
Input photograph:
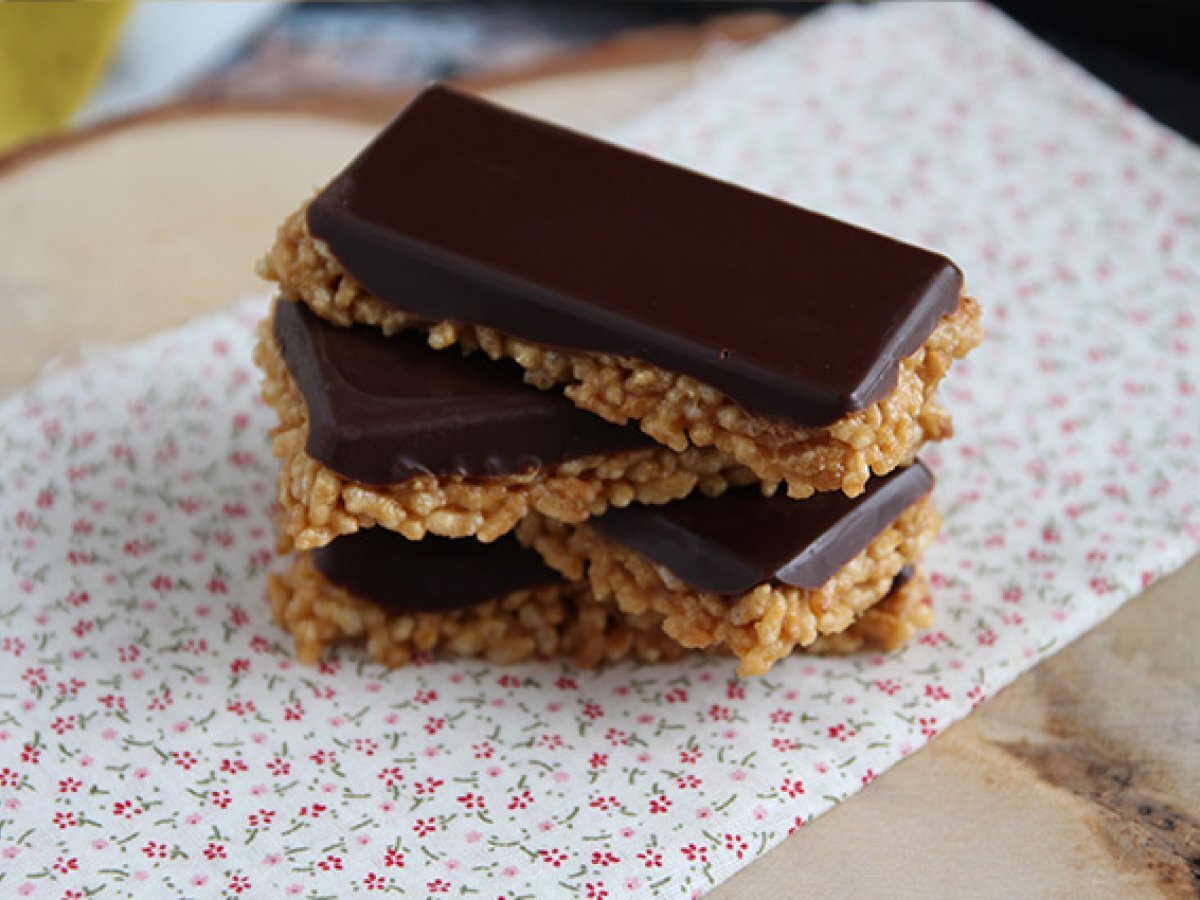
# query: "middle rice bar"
{"type": "Point", "coordinates": [758, 575]}
{"type": "Point", "coordinates": [379, 430]}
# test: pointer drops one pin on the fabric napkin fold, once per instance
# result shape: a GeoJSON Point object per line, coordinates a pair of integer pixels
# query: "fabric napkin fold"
{"type": "Point", "coordinates": [157, 738]}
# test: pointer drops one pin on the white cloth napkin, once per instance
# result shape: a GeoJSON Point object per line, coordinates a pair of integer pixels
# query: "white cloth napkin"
{"type": "Point", "coordinates": [156, 736]}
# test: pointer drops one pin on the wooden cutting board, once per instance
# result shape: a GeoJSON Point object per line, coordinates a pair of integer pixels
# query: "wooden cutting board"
{"type": "Point", "coordinates": [1082, 779]}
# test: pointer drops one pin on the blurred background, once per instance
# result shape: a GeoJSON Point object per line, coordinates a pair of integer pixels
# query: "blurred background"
{"type": "Point", "coordinates": [64, 64]}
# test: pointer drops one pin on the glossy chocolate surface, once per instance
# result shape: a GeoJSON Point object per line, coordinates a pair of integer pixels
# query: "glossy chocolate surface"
{"type": "Point", "coordinates": [465, 211]}
{"type": "Point", "coordinates": [433, 575]}
{"type": "Point", "coordinates": [730, 544]}
{"type": "Point", "coordinates": [385, 409]}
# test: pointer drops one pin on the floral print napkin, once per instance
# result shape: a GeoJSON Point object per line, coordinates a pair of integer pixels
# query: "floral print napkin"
{"type": "Point", "coordinates": [156, 737]}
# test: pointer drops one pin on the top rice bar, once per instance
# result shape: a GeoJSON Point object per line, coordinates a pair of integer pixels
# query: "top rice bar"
{"type": "Point", "coordinates": [808, 349]}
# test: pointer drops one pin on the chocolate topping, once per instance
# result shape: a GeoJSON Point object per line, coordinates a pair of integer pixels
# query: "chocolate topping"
{"type": "Point", "coordinates": [384, 409]}
{"type": "Point", "coordinates": [432, 575]}
{"type": "Point", "coordinates": [730, 544]}
{"type": "Point", "coordinates": [465, 211]}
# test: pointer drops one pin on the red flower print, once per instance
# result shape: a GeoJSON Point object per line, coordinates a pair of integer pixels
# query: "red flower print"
{"type": "Point", "coordinates": [719, 713]}
{"type": "Point", "coordinates": [262, 818]}
{"type": "Point", "coordinates": [233, 766]}
{"type": "Point", "coordinates": [279, 767]}
{"type": "Point", "coordinates": [566, 684]}
{"type": "Point", "coordinates": [162, 582]}
{"type": "Point", "coordinates": [783, 744]}
{"type": "Point", "coordinates": [928, 726]}
{"type": "Point", "coordinates": [330, 863]}
{"type": "Point", "coordinates": [155, 850]}
{"type": "Point", "coordinates": [1012, 595]}
{"type": "Point", "coordinates": [428, 786]}
{"type": "Point", "coordinates": [9, 777]}
{"type": "Point", "coordinates": [435, 724]}
{"type": "Point", "coordinates": [551, 741]}
{"type": "Point", "coordinates": [508, 681]}
{"type": "Point", "coordinates": [424, 696]}
{"type": "Point", "coordinates": [792, 787]}
{"type": "Point", "coordinates": [34, 676]}
{"type": "Point", "coordinates": [293, 713]}
{"type": "Point", "coordinates": [868, 776]}
{"type": "Point", "coordinates": [313, 812]}
{"type": "Point", "coordinates": [616, 737]}
{"type": "Point", "coordinates": [31, 754]}
{"type": "Point", "coordinates": [781, 717]}
{"type": "Point", "coordinates": [472, 801]}
{"type": "Point", "coordinates": [595, 891]}
{"type": "Point", "coordinates": [239, 884]}
{"type": "Point", "coordinates": [373, 882]}
{"type": "Point", "coordinates": [215, 851]}
{"type": "Point", "coordinates": [676, 695]}
{"type": "Point", "coordinates": [975, 695]}
{"type": "Point", "coordinates": [841, 732]}
{"type": "Point", "coordinates": [598, 760]}
{"type": "Point", "coordinates": [604, 858]}
{"type": "Point", "coordinates": [391, 775]}
{"type": "Point", "coordinates": [651, 858]}
{"type": "Point", "coordinates": [437, 886]}
{"type": "Point", "coordinates": [483, 750]}
{"type": "Point", "coordinates": [936, 692]}
{"type": "Point", "coordinates": [553, 857]}
{"type": "Point", "coordinates": [593, 711]}
{"type": "Point", "coordinates": [393, 858]}
{"type": "Point", "coordinates": [735, 690]}
{"type": "Point", "coordinates": [65, 819]}
{"type": "Point", "coordinates": [695, 853]}
{"type": "Point", "coordinates": [888, 687]}
{"type": "Point", "coordinates": [425, 827]}
{"type": "Point", "coordinates": [239, 666]}
{"type": "Point", "coordinates": [736, 844]}
{"type": "Point", "coordinates": [220, 799]}
{"type": "Point", "coordinates": [126, 809]}
{"type": "Point", "coordinates": [660, 804]}
{"type": "Point", "coordinates": [64, 865]}
{"type": "Point", "coordinates": [986, 638]}
{"type": "Point", "coordinates": [322, 757]}
{"type": "Point", "coordinates": [604, 804]}
{"type": "Point", "coordinates": [65, 786]}
{"type": "Point", "coordinates": [690, 755]}
{"type": "Point", "coordinates": [688, 781]}
{"type": "Point", "coordinates": [366, 746]}
{"type": "Point", "coordinates": [520, 800]}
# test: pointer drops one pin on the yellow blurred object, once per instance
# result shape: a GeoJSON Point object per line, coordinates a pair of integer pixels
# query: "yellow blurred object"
{"type": "Point", "coordinates": [51, 56]}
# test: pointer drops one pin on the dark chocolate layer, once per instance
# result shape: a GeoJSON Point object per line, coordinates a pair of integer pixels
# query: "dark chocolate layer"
{"type": "Point", "coordinates": [384, 409]}
{"type": "Point", "coordinates": [433, 575]}
{"type": "Point", "coordinates": [465, 211]}
{"type": "Point", "coordinates": [730, 544]}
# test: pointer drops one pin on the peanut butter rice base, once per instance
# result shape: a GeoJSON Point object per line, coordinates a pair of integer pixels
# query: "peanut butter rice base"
{"type": "Point", "coordinates": [320, 505]}
{"type": "Point", "coordinates": [563, 620]}
{"type": "Point", "coordinates": [760, 626]}
{"type": "Point", "coordinates": [675, 409]}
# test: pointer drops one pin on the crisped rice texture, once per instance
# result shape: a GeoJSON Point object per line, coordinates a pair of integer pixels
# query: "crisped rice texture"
{"type": "Point", "coordinates": [760, 626]}
{"type": "Point", "coordinates": [319, 504]}
{"type": "Point", "coordinates": [559, 620]}
{"type": "Point", "coordinates": [673, 408]}
{"type": "Point", "coordinates": [555, 620]}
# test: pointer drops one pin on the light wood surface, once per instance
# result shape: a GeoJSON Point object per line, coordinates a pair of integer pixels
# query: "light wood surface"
{"type": "Point", "coordinates": [1080, 780]}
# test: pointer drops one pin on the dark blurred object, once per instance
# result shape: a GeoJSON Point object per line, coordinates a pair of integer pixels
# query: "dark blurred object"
{"type": "Point", "coordinates": [1149, 50]}
{"type": "Point", "coordinates": [1145, 49]}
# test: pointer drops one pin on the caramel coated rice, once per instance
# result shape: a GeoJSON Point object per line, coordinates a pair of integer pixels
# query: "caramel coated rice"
{"type": "Point", "coordinates": [760, 626]}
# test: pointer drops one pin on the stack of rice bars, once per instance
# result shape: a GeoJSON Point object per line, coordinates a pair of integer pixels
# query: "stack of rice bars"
{"type": "Point", "coordinates": [541, 396]}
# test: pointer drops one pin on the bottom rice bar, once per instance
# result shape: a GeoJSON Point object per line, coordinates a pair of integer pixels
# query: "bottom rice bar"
{"type": "Point", "coordinates": [758, 575]}
{"type": "Point", "coordinates": [500, 603]}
